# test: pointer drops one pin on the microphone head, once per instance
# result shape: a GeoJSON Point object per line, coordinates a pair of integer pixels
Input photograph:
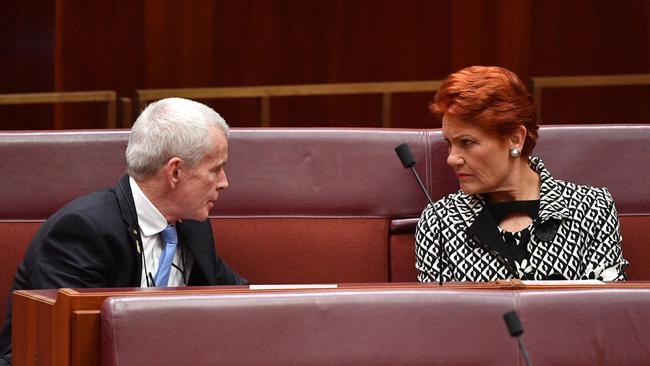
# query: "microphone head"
{"type": "Point", "coordinates": [405, 155]}
{"type": "Point", "coordinates": [513, 324]}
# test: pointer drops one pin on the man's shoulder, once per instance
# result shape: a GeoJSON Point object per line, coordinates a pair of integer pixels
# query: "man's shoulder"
{"type": "Point", "coordinates": [99, 207]}
{"type": "Point", "coordinates": [92, 203]}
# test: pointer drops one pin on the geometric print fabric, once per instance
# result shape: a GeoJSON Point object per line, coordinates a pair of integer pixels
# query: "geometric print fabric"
{"type": "Point", "coordinates": [576, 236]}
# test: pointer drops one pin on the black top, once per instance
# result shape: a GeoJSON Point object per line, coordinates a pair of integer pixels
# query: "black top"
{"type": "Point", "coordinates": [516, 242]}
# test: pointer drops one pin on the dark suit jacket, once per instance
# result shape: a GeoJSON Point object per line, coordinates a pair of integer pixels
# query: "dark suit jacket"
{"type": "Point", "coordinates": [94, 241]}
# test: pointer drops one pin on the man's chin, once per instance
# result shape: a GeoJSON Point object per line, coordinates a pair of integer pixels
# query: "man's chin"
{"type": "Point", "coordinates": [200, 216]}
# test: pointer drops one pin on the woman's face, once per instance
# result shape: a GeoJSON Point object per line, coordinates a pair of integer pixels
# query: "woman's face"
{"type": "Point", "coordinates": [479, 158]}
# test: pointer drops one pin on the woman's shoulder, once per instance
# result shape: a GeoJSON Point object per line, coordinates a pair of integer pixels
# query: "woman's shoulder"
{"type": "Point", "coordinates": [457, 201]}
{"type": "Point", "coordinates": [585, 189]}
{"type": "Point", "coordinates": [454, 199]}
{"type": "Point", "coordinates": [584, 192]}
{"type": "Point", "coordinates": [568, 189]}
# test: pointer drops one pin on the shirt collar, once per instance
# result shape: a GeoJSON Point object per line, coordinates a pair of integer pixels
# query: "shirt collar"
{"type": "Point", "coordinates": [150, 219]}
{"type": "Point", "coordinates": [552, 204]}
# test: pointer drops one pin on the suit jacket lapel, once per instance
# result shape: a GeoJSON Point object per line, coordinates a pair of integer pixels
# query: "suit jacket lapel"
{"type": "Point", "coordinates": [483, 228]}
{"type": "Point", "coordinates": [130, 217]}
{"type": "Point", "coordinates": [196, 238]}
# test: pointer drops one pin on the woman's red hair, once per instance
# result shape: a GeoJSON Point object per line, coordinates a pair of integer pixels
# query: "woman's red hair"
{"type": "Point", "coordinates": [492, 97]}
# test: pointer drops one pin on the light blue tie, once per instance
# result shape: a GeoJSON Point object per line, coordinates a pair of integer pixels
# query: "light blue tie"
{"type": "Point", "coordinates": [170, 240]}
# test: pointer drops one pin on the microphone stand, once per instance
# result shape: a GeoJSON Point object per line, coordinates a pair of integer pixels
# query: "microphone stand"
{"type": "Point", "coordinates": [417, 176]}
{"type": "Point", "coordinates": [516, 330]}
{"type": "Point", "coordinates": [405, 155]}
{"type": "Point", "coordinates": [522, 347]}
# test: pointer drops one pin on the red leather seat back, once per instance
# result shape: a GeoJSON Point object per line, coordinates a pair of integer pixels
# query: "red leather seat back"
{"type": "Point", "coordinates": [586, 327]}
{"type": "Point", "coordinates": [396, 327]}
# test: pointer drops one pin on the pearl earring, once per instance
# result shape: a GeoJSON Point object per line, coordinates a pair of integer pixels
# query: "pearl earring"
{"type": "Point", "coordinates": [514, 152]}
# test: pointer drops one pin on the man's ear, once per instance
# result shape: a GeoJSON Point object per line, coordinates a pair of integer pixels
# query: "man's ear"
{"type": "Point", "coordinates": [173, 171]}
{"type": "Point", "coordinates": [518, 137]}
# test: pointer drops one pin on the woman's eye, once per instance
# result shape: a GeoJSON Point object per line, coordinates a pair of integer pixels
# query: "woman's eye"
{"type": "Point", "coordinates": [466, 142]}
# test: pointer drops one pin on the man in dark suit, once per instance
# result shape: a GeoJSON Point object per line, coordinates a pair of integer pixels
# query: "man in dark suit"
{"type": "Point", "coordinates": [175, 157]}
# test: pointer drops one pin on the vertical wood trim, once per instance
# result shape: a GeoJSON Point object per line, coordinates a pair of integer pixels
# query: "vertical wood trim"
{"type": "Point", "coordinates": [111, 117]}
{"type": "Point", "coordinates": [85, 337]}
{"type": "Point", "coordinates": [58, 63]}
{"type": "Point", "coordinates": [265, 111]}
{"type": "Point", "coordinates": [386, 110]}
{"type": "Point", "coordinates": [127, 112]}
{"type": "Point", "coordinates": [537, 99]}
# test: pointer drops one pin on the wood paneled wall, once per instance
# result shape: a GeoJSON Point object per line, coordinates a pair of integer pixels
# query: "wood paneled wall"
{"type": "Point", "coordinates": [123, 45]}
{"type": "Point", "coordinates": [26, 61]}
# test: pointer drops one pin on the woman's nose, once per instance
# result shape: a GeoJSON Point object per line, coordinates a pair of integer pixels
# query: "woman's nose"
{"type": "Point", "coordinates": [454, 159]}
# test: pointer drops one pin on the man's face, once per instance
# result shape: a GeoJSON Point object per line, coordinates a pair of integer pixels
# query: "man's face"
{"type": "Point", "coordinates": [198, 187]}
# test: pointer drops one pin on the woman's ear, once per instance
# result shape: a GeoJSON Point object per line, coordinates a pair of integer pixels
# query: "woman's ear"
{"type": "Point", "coordinates": [518, 137]}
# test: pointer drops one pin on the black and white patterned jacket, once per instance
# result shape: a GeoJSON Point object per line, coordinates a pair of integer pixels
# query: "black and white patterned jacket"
{"type": "Point", "coordinates": [576, 236]}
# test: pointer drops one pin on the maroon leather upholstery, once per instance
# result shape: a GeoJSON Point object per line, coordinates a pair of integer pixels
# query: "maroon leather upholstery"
{"type": "Point", "coordinates": [587, 327]}
{"type": "Point", "coordinates": [609, 156]}
{"type": "Point", "coordinates": [45, 170]}
{"type": "Point", "coordinates": [322, 172]}
{"type": "Point", "coordinates": [417, 326]}
{"type": "Point", "coordinates": [315, 205]}
{"type": "Point", "coordinates": [305, 250]}
{"type": "Point", "coordinates": [392, 327]}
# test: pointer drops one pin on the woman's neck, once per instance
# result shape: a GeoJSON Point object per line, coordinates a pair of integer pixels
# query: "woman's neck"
{"type": "Point", "coordinates": [522, 185]}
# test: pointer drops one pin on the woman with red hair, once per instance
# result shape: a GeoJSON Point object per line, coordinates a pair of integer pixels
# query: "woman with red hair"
{"type": "Point", "coordinates": [511, 218]}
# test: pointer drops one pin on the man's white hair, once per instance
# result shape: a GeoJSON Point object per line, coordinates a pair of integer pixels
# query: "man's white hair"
{"type": "Point", "coordinates": [171, 127]}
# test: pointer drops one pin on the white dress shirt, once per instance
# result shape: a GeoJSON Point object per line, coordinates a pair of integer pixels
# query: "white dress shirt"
{"type": "Point", "coordinates": [151, 223]}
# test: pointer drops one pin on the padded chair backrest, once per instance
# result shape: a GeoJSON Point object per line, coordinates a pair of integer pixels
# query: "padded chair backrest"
{"type": "Point", "coordinates": [587, 327]}
{"type": "Point", "coordinates": [408, 327]}
{"type": "Point", "coordinates": [391, 326]}
{"type": "Point", "coordinates": [45, 170]}
{"type": "Point", "coordinates": [317, 205]}
{"type": "Point", "coordinates": [612, 156]}
{"type": "Point", "coordinates": [314, 205]}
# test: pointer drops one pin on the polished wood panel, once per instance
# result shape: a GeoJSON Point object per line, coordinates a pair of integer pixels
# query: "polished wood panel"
{"type": "Point", "coordinates": [592, 38]}
{"type": "Point", "coordinates": [265, 94]}
{"type": "Point", "coordinates": [33, 326]}
{"type": "Point", "coordinates": [84, 326]}
{"type": "Point", "coordinates": [148, 44]}
{"type": "Point", "coordinates": [26, 61]}
{"type": "Point", "coordinates": [589, 86]}
{"type": "Point", "coordinates": [105, 96]}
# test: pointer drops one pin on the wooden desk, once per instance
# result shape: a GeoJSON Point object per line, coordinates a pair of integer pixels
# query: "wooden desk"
{"type": "Point", "coordinates": [62, 327]}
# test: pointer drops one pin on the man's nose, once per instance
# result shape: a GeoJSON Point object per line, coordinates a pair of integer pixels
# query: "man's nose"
{"type": "Point", "coordinates": [223, 180]}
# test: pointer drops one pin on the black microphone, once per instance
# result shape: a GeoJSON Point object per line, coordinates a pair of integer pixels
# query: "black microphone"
{"type": "Point", "coordinates": [405, 155]}
{"type": "Point", "coordinates": [516, 330]}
